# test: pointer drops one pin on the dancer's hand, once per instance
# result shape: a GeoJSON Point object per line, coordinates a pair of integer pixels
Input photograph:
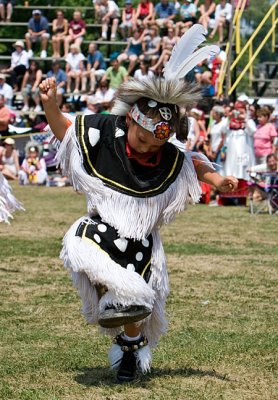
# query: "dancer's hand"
{"type": "Point", "coordinates": [48, 89]}
{"type": "Point", "coordinates": [227, 184]}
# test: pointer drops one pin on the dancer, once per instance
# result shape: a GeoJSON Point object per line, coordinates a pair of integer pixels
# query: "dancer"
{"type": "Point", "coordinates": [8, 203]}
{"type": "Point", "coordinates": [135, 181]}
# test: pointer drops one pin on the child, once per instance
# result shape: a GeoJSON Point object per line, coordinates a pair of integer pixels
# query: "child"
{"type": "Point", "coordinates": [135, 181]}
{"type": "Point", "coordinates": [33, 168]}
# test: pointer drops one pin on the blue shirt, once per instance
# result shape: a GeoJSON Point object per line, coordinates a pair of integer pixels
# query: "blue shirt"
{"type": "Point", "coordinates": [37, 25]}
{"type": "Point", "coordinates": [165, 10]}
{"type": "Point", "coordinates": [60, 76]}
{"type": "Point", "coordinates": [97, 56]}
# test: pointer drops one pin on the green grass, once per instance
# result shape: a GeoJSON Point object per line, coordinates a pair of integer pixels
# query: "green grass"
{"type": "Point", "coordinates": [223, 325]}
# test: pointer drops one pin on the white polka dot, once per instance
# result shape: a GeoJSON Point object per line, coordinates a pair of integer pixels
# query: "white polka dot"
{"type": "Point", "coordinates": [145, 243]}
{"type": "Point", "coordinates": [121, 244]}
{"type": "Point", "coordinates": [94, 135]}
{"type": "Point", "coordinates": [97, 238]}
{"type": "Point", "coordinates": [139, 256]}
{"type": "Point", "coordinates": [130, 267]}
{"type": "Point", "coordinates": [102, 228]}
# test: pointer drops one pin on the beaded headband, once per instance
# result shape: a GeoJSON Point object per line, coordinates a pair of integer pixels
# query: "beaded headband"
{"type": "Point", "coordinates": [161, 130]}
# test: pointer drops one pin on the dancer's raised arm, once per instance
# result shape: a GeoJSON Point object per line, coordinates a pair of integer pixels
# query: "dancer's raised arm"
{"type": "Point", "coordinates": [57, 121]}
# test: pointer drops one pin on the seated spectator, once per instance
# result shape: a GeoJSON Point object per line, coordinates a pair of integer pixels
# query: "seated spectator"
{"type": "Point", "coordinates": [77, 31]}
{"type": "Point", "coordinates": [74, 67]}
{"type": "Point", "coordinates": [19, 64]}
{"type": "Point", "coordinates": [115, 74]}
{"type": "Point", "coordinates": [223, 17]}
{"type": "Point", "coordinates": [37, 32]}
{"type": "Point", "coordinates": [207, 11]}
{"type": "Point", "coordinates": [104, 95]}
{"type": "Point", "coordinates": [6, 90]}
{"type": "Point", "coordinates": [68, 108]}
{"type": "Point", "coordinates": [5, 116]}
{"type": "Point", "coordinates": [168, 42]}
{"type": "Point", "coordinates": [144, 71]}
{"type": "Point", "coordinates": [187, 16]}
{"type": "Point", "coordinates": [6, 6]}
{"type": "Point", "coordinates": [92, 106]}
{"type": "Point", "coordinates": [96, 67]}
{"type": "Point", "coordinates": [128, 20]}
{"type": "Point", "coordinates": [30, 86]}
{"type": "Point", "coordinates": [264, 136]}
{"type": "Point", "coordinates": [98, 11]}
{"type": "Point", "coordinates": [132, 51]}
{"type": "Point", "coordinates": [9, 163]}
{"type": "Point", "coordinates": [111, 16]}
{"type": "Point", "coordinates": [207, 87]}
{"type": "Point", "coordinates": [164, 12]}
{"type": "Point", "coordinates": [60, 28]}
{"type": "Point", "coordinates": [33, 168]}
{"type": "Point", "coordinates": [61, 79]}
{"type": "Point", "coordinates": [144, 13]}
{"type": "Point", "coordinates": [151, 45]}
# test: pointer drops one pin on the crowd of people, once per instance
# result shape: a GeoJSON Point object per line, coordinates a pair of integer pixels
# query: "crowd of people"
{"type": "Point", "coordinates": [234, 135]}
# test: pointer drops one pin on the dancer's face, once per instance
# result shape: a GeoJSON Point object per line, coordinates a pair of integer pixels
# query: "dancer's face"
{"type": "Point", "coordinates": [141, 140]}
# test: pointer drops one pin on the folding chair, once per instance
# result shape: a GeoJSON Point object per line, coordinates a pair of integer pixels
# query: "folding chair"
{"type": "Point", "coordinates": [267, 186]}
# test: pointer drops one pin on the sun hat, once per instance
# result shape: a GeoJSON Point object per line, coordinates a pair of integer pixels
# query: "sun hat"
{"type": "Point", "coordinates": [9, 141]}
{"type": "Point", "coordinates": [19, 43]}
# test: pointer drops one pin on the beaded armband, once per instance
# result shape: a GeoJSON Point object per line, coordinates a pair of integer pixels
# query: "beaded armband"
{"type": "Point", "coordinates": [133, 345]}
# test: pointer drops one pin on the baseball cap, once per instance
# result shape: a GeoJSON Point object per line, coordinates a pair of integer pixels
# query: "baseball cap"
{"type": "Point", "coordinates": [36, 12]}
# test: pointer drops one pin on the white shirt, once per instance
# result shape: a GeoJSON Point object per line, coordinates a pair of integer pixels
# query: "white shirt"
{"type": "Point", "coordinates": [104, 97]}
{"type": "Point", "coordinates": [74, 60]}
{"type": "Point", "coordinates": [113, 8]}
{"type": "Point", "coordinates": [224, 11]}
{"type": "Point", "coordinates": [140, 77]}
{"type": "Point", "coordinates": [7, 91]}
{"type": "Point", "coordinates": [216, 131]}
{"type": "Point", "coordinates": [20, 59]}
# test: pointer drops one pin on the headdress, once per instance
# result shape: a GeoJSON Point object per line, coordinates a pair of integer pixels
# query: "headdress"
{"type": "Point", "coordinates": [169, 89]}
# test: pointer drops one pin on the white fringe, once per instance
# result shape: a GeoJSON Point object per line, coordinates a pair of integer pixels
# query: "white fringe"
{"type": "Point", "coordinates": [132, 217]}
{"type": "Point", "coordinates": [143, 357]}
{"type": "Point", "coordinates": [8, 203]}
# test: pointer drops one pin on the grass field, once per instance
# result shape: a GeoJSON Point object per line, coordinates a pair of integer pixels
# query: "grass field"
{"type": "Point", "coordinates": [222, 341]}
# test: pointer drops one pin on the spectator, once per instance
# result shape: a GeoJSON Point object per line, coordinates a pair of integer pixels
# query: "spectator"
{"type": "Point", "coordinates": [128, 20]}
{"type": "Point", "coordinates": [264, 136]}
{"type": "Point", "coordinates": [96, 67]}
{"type": "Point", "coordinates": [6, 5]}
{"type": "Point", "coordinates": [37, 32]}
{"type": "Point", "coordinates": [92, 106]}
{"type": "Point", "coordinates": [61, 79]}
{"type": "Point", "coordinates": [132, 51]}
{"type": "Point", "coordinates": [6, 90]}
{"type": "Point", "coordinates": [164, 12]}
{"type": "Point", "coordinates": [151, 45]}
{"type": "Point", "coordinates": [60, 28]}
{"type": "Point", "coordinates": [30, 86]}
{"type": "Point", "coordinates": [217, 131]}
{"type": "Point", "coordinates": [168, 42]}
{"type": "Point", "coordinates": [9, 163]}
{"type": "Point", "coordinates": [105, 95]}
{"type": "Point", "coordinates": [77, 31]}
{"type": "Point", "coordinates": [207, 11]}
{"type": "Point", "coordinates": [206, 84]}
{"type": "Point", "coordinates": [33, 168]}
{"type": "Point", "coordinates": [223, 16]}
{"type": "Point", "coordinates": [187, 16]}
{"type": "Point", "coordinates": [144, 71]}
{"type": "Point", "coordinates": [74, 67]}
{"type": "Point", "coordinates": [98, 10]}
{"type": "Point", "coordinates": [144, 13]}
{"type": "Point", "coordinates": [19, 64]}
{"type": "Point", "coordinates": [68, 108]}
{"type": "Point", "coordinates": [116, 74]}
{"type": "Point", "coordinates": [112, 15]}
{"type": "Point", "coordinates": [5, 116]}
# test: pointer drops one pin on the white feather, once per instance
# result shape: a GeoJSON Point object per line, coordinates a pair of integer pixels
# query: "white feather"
{"type": "Point", "coordinates": [204, 53]}
{"type": "Point", "coordinates": [183, 49]}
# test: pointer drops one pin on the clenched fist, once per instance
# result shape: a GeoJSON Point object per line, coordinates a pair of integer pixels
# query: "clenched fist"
{"type": "Point", "coordinates": [48, 89]}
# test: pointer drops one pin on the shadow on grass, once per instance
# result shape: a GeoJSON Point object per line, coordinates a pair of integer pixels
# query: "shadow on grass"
{"type": "Point", "coordinates": [100, 376]}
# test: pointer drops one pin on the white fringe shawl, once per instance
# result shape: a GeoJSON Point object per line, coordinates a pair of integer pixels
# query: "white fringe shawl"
{"type": "Point", "coordinates": [89, 265]}
{"type": "Point", "coordinates": [8, 203]}
{"type": "Point", "coordinates": [132, 217]}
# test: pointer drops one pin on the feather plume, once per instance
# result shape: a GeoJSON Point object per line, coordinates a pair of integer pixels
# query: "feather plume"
{"type": "Point", "coordinates": [195, 58]}
{"type": "Point", "coordinates": [184, 48]}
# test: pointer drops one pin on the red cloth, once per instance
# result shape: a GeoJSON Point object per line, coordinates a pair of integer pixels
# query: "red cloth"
{"type": "Point", "coordinates": [144, 158]}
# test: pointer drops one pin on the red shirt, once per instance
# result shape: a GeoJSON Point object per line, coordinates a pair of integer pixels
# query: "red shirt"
{"type": "Point", "coordinates": [77, 26]}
